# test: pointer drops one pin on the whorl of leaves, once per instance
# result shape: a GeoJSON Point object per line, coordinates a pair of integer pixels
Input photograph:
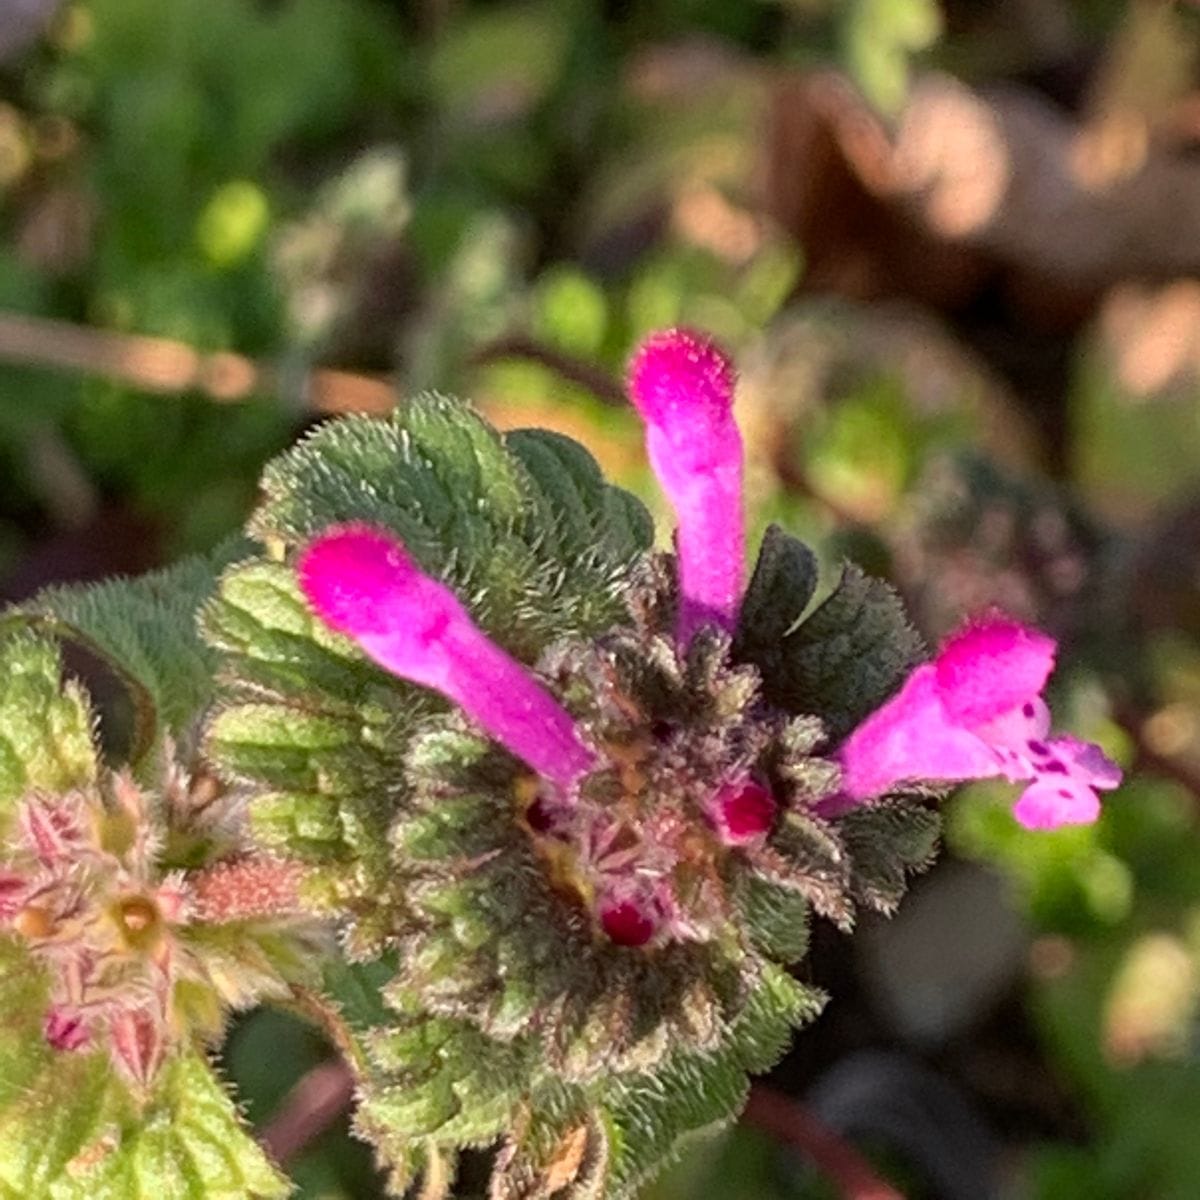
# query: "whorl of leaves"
{"type": "Point", "coordinates": [475, 1005]}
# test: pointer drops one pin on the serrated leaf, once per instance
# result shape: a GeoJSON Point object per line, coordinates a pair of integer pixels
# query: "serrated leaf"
{"type": "Point", "coordinates": [45, 726]}
{"type": "Point", "coordinates": [585, 512]}
{"type": "Point", "coordinates": [887, 841]}
{"type": "Point", "coordinates": [145, 628]}
{"type": "Point", "coordinates": [806, 856]}
{"type": "Point", "coordinates": [70, 1129]}
{"type": "Point", "coordinates": [328, 794]}
{"type": "Point", "coordinates": [783, 583]}
{"type": "Point", "coordinates": [775, 918]}
{"type": "Point", "coordinates": [272, 645]}
{"type": "Point", "coordinates": [651, 1117]}
{"type": "Point", "coordinates": [560, 1149]}
{"type": "Point", "coordinates": [526, 532]}
{"type": "Point", "coordinates": [847, 657]}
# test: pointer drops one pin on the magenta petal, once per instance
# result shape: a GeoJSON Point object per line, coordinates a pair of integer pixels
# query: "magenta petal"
{"type": "Point", "coordinates": [1017, 728]}
{"type": "Point", "coordinates": [363, 583]}
{"type": "Point", "coordinates": [743, 812]}
{"type": "Point", "coordinates": [682, 386]}
{"type": "Point", "coordinates": [992, 667]}
{"type": "Point", "coordinates": [1085, 762]}
{"type": "Point", "coordinates": [628, 922]}
{"type": "Point", "coordinates": [13, 889]}
{"type": "Point", "coordinates": [910, 738]}
{"type": "Point", "coordinates": [1049, 804]}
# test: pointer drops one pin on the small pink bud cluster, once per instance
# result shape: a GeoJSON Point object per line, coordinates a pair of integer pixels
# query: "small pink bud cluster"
{"type": "Point", "coordinates": [976, 711]}
{"type": "Point", "coordinates": [81, 888]}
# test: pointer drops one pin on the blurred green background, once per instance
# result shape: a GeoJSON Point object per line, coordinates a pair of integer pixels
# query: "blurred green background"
{"type": "Point", "coordinates": [955, 248]}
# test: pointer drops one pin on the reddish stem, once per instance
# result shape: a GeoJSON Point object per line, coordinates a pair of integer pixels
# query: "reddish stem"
{"type": "Point", "coordinates": [317, 1100]}
{"type": "Point", "coordinates": [788, 1121]}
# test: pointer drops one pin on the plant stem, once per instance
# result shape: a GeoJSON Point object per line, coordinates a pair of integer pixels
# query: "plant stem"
{"type": "Point", "coordinates": [317, 1100]}
{"type": "Point", "coordinates": [788, 1121]}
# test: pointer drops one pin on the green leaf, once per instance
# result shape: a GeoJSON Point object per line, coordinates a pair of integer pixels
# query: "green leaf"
{"type": "Point", "coordinates": [272, 646]}
{"type": "Point", "coordinates": [783, 583]}
{"type": "Point", "coordinates": [775, 918]}
{"type": "Point", "coordinates": [523, 527]}
{"type": "Point", "coordinates": [651, 1117]}
{"type": "Point", "coordinates": [145, 628]}
{"type": "Point", "coordinates": [885, 842]}
{"type": "Point", "coordinates": [323, 732]}
{"type": "Point", "coordinates": [847, 657]}
{"type": "Point", "coordinates": [586, 513]}
{"type": "Point", "coordinates": [327, 794]}
{"type": "Point", "coordinates": [45, 727]}
{"type": "Point", "coordinates": [70, 1129]}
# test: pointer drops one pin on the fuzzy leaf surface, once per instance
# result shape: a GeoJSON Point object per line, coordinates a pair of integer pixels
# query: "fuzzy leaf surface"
{"type": "Point", "coordinates": [146, 628]}
{"type": "Point", "coordinates": [650, 1118]}
{"type": "Point", "coordinates": [780, 588]}
{"type": "Point", "coordinates": [522, 526]}
{"type": "Point", "coordinates": [45, 727]}
{"type": "Point", "coordinates": [70, 1129]}
{"type": "Point", "coordinates": [847, 656]}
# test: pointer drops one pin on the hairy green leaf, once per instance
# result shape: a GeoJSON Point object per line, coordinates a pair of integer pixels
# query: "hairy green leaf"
{"type": "Point", "coordinates": [783, 583]}
{"type": "Point", "coordinates": [523, 527]}
{"type": "Point", "coordinates": [146, 627]}
{"type": "Point", "coordinates": [70, 1129]}
{"type": "Point", "coordinates": [45, 727]}
{"type": "Point", "coordinates": [847, 656]}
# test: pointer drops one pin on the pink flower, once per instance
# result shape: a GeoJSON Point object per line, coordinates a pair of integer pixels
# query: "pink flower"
{"type": "Point", "coordinates": [682, 386]}
{"type": "Point", "coordinates": [362, 582]}
{"type": "Point", "coordinates": [977, 712]}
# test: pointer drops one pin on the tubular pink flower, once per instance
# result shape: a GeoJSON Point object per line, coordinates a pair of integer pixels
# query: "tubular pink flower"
{"type": "Point", "coordinates": [682, 386]}
{"type": "Point", "coordinates": [977, 712]}
{"type": "Point", "coordinates": [363, 583]}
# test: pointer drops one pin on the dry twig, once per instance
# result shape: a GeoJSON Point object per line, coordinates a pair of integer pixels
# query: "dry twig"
{"type": "Point", "coordinates": [162, 365]}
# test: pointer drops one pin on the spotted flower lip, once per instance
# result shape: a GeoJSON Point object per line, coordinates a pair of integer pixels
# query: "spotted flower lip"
{"type": "Point", "coordinates": [977, 712]}
{"type": "Point", "coordinates": [682, 385]}
{"type": "Point", "coordinates": [363, 583]}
